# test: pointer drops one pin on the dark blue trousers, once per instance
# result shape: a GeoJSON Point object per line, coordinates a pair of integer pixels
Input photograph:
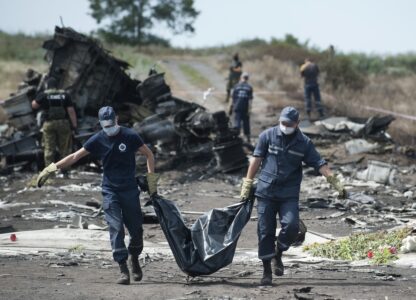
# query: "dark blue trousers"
{"type": "Point", "coordinates": [313, 90]}
{"type": "Point", "coordinates": [267, 210]}
{"type": "Point", "coordinates": [242, 119]}
{"type": "Point", "coordinates": [123, 208]}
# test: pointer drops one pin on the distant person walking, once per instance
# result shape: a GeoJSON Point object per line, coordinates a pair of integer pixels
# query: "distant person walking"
{"type": "Point", "coordinates": [310, 72]}
{"type": "Point", "coordinates": [236, 68]}
{"type": "Point", "coordinates": [241, 105]}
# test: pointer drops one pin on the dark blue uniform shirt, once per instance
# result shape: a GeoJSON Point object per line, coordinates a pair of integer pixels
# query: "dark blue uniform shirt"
{"type": "Point", "coordinates": [117, 154]}
{"type": "Point", "coordinates": [242, 94]}
{"type": "Point", "coordinates": [281, 170]}
{"type": "Point", "coordinates": [310, 74]}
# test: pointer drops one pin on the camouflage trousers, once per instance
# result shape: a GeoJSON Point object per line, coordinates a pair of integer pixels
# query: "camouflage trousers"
{"type": "Point", "coordinates": [230, 85]}
{"type": "Point", "coordinates": [57, 135]}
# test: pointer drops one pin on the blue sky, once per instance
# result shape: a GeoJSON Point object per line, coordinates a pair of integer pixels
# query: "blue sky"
{"type": "Point", "coordinates": [383, 26]}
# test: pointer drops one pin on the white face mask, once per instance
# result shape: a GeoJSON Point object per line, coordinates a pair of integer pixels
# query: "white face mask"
{"type": "Point", "coordinates": [286, 130]}
{"type": "Point", "coordinates": [111, 131]}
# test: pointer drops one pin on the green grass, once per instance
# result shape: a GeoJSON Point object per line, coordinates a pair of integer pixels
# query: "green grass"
{"type": "Point", "coordinates": [140, 62]}
{"type": "Point", "coordinates": [194, 76]}
{"type": "Point", "coordinates": [357, 246]}
{"type": "Point", "coordinates": [21, 47]}
{"type": "Point", "coordinates": [12, 73]}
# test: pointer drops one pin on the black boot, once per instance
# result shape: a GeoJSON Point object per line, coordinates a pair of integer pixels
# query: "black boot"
{"type": "Point", "coordinates": [125, 275]}
{"type": "Point", "coordinates": [278, 268]}
{"type": "Point", "coordinates": [267, 273]}
{"type": "Point", "coordinates": [136, 270]}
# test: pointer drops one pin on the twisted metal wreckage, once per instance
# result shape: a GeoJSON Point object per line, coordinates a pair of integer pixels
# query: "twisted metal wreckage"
{"type": "Point", "coordinates": [94, 78]}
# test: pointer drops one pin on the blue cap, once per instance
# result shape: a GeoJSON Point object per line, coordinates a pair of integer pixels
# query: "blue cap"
{"type": "Point", "coordinates": [289, 114]}
{"type": "Point", "coordinates": [107, 115]}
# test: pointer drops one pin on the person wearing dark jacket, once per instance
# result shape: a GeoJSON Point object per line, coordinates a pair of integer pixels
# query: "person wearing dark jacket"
{"type": "Point", "coordinates": [116, 146]}
{"type": "Point", "coordinates": [310, 72]}
{"type": "Point", "coordinates": [280, 152]}
{"type": "Point", "coordinates": [241, 105]}
{"type": "Point", "coordinates": [59, 120]}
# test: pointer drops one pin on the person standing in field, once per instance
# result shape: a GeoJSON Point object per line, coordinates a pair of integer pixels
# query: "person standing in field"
{"type": "Point", "coordinates": [310, 72]}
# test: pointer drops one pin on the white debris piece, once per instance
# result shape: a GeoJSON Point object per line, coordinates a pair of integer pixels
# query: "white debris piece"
{"type": "Point", "coordinates": [80, 187]}
{"type": "Point", "coordinates": [96, 227]}
{"type": "Point", "coordinates": [207, 93]}
{"type": "Point", "coordinates": [69, 203]}
{"type": "Point", "coordinates": [79, 222]}
{"type": "Point", "coordinates": [408, 244]}
{"type": "Point", "coordinates": [378, 171]}
{"type": "Point", "coordinates": [356, 146]}
{"type": "Point", "coordinates": [8, 204]}
{"type": "Point", "coordinates": [340, 124]}
{"type": "Point", "coordinates": [408, 194]}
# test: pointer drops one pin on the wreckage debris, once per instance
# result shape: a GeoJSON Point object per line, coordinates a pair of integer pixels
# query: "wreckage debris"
{"type": "Point", "coordinates": [357, 146]}
{"type": "Point", "coordinates": [94, 78]}
{"type": "Point", "coordinates": [374, 127]}
{"type": "Point", "coordinates": [408, 244]}
{"type": "Point", "coordinates": [91, 75]}
{"type": "Point", "coordinates": [378, 171]}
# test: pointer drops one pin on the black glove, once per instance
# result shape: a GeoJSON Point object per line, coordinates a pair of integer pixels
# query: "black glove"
{"type": "Point", "coordinates": [142, 183]}
{"type": "Point", "coordinates": [230, 109]}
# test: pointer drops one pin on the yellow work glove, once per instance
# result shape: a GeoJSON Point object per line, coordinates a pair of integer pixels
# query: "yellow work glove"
{"type": "Point", "coordinates": [152, 179]}
{"type": "Point", "coordinates": [246, 188]}
{"type": "Point", "coordinates": [337, 185]}
{"type": "Point", "coordinates": [45, 174]}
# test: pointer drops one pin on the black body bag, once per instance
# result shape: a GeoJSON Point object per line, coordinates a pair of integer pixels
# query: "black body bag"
{"type": "Point", "coordinates": [210, 243]}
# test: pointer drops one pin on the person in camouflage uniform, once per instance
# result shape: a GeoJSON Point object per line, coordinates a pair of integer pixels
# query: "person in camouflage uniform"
{"type": "Point", "coordinates": [60, 119]}
{"type": "Point", "coordinates": [234, 75]}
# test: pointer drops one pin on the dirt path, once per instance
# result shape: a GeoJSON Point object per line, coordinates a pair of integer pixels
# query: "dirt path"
{"type": "Point", "coordinates": [215, 101]}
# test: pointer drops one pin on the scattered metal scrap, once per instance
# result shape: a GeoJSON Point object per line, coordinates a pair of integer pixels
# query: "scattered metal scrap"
{"type": "Point", "coordinates": [380, 194]}
{"type": "Point", "coordinates": [378, 171]}
{"type": "Point", "coordinates": [374, 127]}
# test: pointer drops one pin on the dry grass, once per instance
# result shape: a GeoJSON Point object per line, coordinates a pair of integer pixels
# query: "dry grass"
{"type": "Point", "coordinates": [391, 93]}
{"type": "Point", "coordinates": [13, 72]}
{"type": "Point", "coordinates": [274, 67]}
{"type": "Point", "coordinates": [271, 74]}
{"type": "Point", "coordinates": [385, 92]}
